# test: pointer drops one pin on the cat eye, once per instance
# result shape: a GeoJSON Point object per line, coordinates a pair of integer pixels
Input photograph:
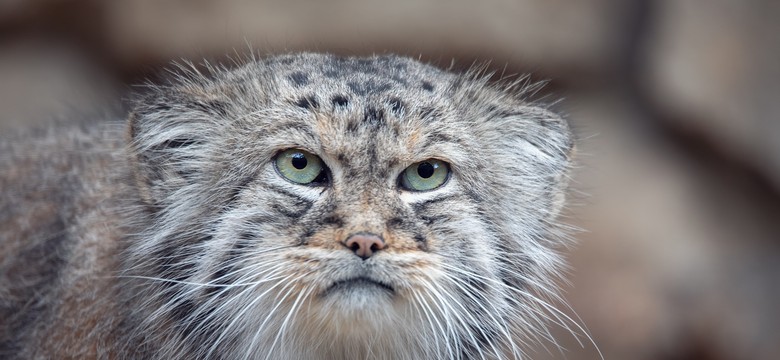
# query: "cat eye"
{"type": "Point", "coordinates": [301, 167]}
{"type": "Point", "coordinates": [425, 175]}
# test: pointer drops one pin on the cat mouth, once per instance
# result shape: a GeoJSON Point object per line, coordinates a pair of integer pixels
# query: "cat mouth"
{"type": "Point", "coordinates": [360, 282]}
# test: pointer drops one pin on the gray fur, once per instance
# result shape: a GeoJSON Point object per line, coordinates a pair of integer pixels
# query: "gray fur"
{"type": "Point", "coordinates": [180, 239]}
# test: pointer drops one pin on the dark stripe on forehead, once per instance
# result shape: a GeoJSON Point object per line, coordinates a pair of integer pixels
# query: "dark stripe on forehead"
{"type": "Point", "coordinates": [308, 102]}
{"type": "Point", "coordinates": [339, 101]}
{"type": "Point", "coordinates": [430, 113]}
{"type": "Point", "coordinates": [298, 78]}
{"type": "Point", "coordinates": [374, 116]}
{"type": "Point", "coordinates": [397, 106]}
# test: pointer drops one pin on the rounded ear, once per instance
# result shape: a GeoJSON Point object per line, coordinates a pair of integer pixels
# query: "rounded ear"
{"type": "Point", "coordinates": [528, 150]}
{"type": "Point", "coordinates": [169, 133]}
{"type": "Point", "coordinates": [548, 146]}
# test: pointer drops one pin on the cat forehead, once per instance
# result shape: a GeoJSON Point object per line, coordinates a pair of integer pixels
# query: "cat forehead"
{"type": "Point", "coordinates": [354, 78]}
{"type": "Point", "coordinates": [351, 103]}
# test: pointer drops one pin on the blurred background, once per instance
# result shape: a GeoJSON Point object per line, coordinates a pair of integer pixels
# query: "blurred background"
{"type": "Point", "coordinates": [677, 103]}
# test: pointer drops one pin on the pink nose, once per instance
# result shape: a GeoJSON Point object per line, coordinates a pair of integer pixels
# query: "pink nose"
{"type": "Point", "coordinates": [364, 244]}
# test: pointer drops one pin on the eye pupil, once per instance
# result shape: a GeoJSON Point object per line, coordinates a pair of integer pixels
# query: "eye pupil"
{"type": "Point", "coordinates": [425, 170]}
{"type": "Point", "coordinates": [299, 161]}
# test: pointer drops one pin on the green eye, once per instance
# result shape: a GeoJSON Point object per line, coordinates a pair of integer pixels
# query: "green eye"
{"type": "Point", "coordinates": [425, 175]}
{"type": "Point", "coordinates": [300, 166]}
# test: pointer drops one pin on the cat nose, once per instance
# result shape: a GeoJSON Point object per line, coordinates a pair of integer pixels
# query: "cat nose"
{"type": "Point", "coordinates": [364, 244]}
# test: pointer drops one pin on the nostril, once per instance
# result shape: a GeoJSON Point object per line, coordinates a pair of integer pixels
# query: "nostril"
{"type": "Point", "coordinates": [355, 246]}
{"type": "Point", "coordinates": [364, 244]}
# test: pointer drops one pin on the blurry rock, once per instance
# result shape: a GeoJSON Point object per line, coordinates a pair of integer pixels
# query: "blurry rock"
{"type": "Point", "coordinates": [714, 67]}
{"type": "Point", "coordinates": [554, 36]}
{"type": "Point", "coordinates": [42, 81]}
{"type": "Point", "coordinates": [679, 251]}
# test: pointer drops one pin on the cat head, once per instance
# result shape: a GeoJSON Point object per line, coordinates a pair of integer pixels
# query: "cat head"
{"type": "Point", "coordinates": [314, 205]}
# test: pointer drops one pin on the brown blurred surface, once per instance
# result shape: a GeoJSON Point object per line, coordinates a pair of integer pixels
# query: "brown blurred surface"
{"type": "Point", "coordinates": [677, 103]}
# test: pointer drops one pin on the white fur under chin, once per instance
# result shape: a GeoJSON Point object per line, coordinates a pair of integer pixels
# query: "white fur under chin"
{"type": "Point", "coordinates": [361, 323]}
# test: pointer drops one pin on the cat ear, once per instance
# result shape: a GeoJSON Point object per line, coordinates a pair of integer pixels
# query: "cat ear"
{"type": "Point", "coordinates": [541, 144]}
{"type": "Point", "coordinates": [170, 132]}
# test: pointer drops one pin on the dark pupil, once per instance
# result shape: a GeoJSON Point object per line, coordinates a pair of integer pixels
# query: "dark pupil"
{"type": "Point", "coordinates": [425, 170]}
{"type": "Point", "coordinates": [299, 161]}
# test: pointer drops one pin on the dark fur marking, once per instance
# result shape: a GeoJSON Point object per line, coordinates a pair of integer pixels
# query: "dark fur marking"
{"type": "Point", "coordinates": [158, 107]}
{"type": "Point", "coordinates": [353, 127]}
{"type": "Point", "coordinates": [516, 262]}
{"type": "Point", "coordinates": [422, 242]}
{"type": "Point", "coordinates": [429, 113]}
{"type": "Point", "coordinates": [373, 155]}
{"type": "Point", "coordinates": [299, 78]}
{"type": "Point", "coordinates": [397, 106]}
{"type": "Point", "coordinates": [182, 310]}
{"type": "Point", "coordinates": [220, 107]}
{"type": "Point", "coordinates": [395, 222]}
{"type": "Point", "coordinates": [177, 143]}
{"type": "Point", "coordinates": [474, 196]}
{"type": "Point", "coordinates": [427, 86]}
{"type": "Point", "coordinates": [374, 116]}
{"type": "Point", "coordinates": [187, 324]}
{"type": "Point", "coordinates": [439, 136]}
{"type": "Point", "coordinates": [172, 259]}
{"type": "Point", "coordinates": [339, 101]}
{"type": "Point", "coordinates": [333, 220]}
{"type": "Point", "coordinates": [435, 219]}
{"type": "Point", "coordinates": [423, 206]}
{"type": "Point", "coordinates": [283, 191]}
{"type": "Point", "coordinates": [301, 207]}
{"type": "Point", "coordinates": [187, 174]}
{"type": "Point", "coordinates": [304, 239]}
{"type": "Point", "coordinates": [343, 159]}
{"type": "Point", "coordinates": [225, 274]}
{"type": "Point", "coordinates": [507, 113]}
{"type": "Point", "coordinates": [307, 102]}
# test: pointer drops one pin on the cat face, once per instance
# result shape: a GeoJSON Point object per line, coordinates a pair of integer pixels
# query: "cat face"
{"type": "Point", "coordinates": [315, 206]}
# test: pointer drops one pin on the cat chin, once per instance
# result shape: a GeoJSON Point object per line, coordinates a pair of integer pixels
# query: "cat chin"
{"type": "Point", "coordinates": [357, 298]}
